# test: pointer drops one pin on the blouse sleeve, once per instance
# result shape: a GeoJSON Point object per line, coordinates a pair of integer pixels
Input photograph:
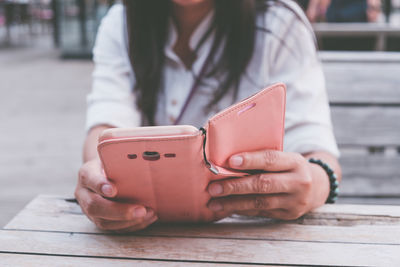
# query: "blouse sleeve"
{"type": "Point", "coordinates": [111, 100]}
{"type": "Point", "coordinates": [295, 62]}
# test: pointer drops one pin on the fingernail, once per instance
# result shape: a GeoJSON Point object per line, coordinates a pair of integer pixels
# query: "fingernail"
{"type": "Point", "coordinates": [139, 212]}
{"type": "Point", "coordinates": [149, 214]}
{"type": "Point", "coordinates": [215, 206]}
{"type": "Point", "coordinates": [236, 161]}
{"type": "Point", "coordinates": [215, 189]}
{"type": "Point", "coordinates": [107, 189]}
{"type": "Point", "coordinates": [155, 218]}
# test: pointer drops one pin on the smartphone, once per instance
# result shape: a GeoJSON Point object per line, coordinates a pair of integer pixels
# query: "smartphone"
{"type": "Point", "coordinates": [180, 130]}
{"type": "Point", "coordinates": [168, 168]}
{"type": "Point", "coordinates": [160, 167]}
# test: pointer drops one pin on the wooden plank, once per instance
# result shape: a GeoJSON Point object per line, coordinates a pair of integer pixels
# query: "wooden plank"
{"type": "Point", "coordinates": [367, 210]}
{"type": "Point", "coordinates": [370, 57]}
{"type": "Point", "coordinates": [367, 126]}
{"type": "Point", "coordinates": [369, 200]}
{"type": "Point", "coordinates": [363, 83]}
{"type": "Point", "coordinates": [370, 174]}
{"type": "Point", "coordinates": [200, 249]}
{"type": "Point", "coordinates": [22, 260]}
{"type": "Point", "coordinates": [323, 29]}
{"type": "Point", "coordinates": [48, 213]}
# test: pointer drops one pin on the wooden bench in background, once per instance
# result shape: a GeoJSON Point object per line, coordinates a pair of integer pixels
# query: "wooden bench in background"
{"type": "Point", "coordinates": [380, 31]}
{"type": "Point", "coordinates": [364, 93]}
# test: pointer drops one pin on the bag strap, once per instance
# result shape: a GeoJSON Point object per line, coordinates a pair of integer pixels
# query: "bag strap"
{"type": "Point", "coordinates": [193, 90]}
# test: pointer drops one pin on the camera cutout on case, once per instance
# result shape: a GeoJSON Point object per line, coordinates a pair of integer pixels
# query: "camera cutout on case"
{"type": "Point", "coordinates": [170, 155]}
{"type": "Point", "coordinates": [132, 156]}
{"type": "Point", "coordinates": [246, 108]}
{"type": "Point", "coordinates": [151, 155]}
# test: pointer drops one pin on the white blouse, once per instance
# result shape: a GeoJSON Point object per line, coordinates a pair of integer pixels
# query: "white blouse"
{"type": "Point", "coordinates": [284, 52]}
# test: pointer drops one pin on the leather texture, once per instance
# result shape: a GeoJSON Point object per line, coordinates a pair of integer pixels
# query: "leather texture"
{"type": "Point", "coordinates": [175, 184]}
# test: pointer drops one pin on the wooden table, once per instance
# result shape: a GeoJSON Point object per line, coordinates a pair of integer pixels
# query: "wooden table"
{"type": "Point", "coordinates": [52, 231]}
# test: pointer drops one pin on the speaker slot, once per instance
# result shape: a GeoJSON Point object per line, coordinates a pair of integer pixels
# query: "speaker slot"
{"type": "Point", "coordinates": [132, 156]}
{"type": "Point", "coordinates": [151, 155]}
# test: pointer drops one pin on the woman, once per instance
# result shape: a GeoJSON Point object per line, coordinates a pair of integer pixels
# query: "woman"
{"type": "Point", "coordinates": [148, 55]}
{"type": "Point", "coordinates": [342, 10]}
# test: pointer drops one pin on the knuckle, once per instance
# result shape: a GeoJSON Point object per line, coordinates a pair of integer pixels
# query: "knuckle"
{"type": "Point", "coordinates": [234, 187]}
{"type": "Point", "coordinates": [77, 195]}
{"type": "Point", "coordinates": [85, 177]}
{"type": "Point", "coordinates": [260, 203]}
{"type": "Point", "coordinates": [89, 178]}
{"type": "Point", "coordinates": [306, 182]}
{"type": "Point", "coordinates": [303, 203]}
{"type": "Point", "coordinates": [101, 224]}
{"type": "Point", "coordinates": [262, 184]}
{"type": "Point", "coordinates": [265, 213]}
{"type": "Point", "coordinates": [295, 214]}
{"type": "Point", "coordinates": [82, 173]}
{"type": "Point", "coordinates": [127, 215]}
{"type": "Point", "coordinates": [298, 159]}
{"type": "Point", "coordinates": [270, 157]}
{"type": "Point", "coordinates": [273, 203]}
{"type": "Point", "coordinates": [91, 206]}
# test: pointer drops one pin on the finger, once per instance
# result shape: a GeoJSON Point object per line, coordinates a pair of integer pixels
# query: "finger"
{"type": "Point", "coordinates": [273, 214]}
{"type": "Point", "coordinates": [281, 214]}
{"type": "Point", "coordinates": [96, 206]}
{"type": "Point", "coordinates": [139, 226]}
{"type": "Point", "coordinates": [218, 215]}
{"type": "Point", "coordinates": [91, 176]}
{"type": "Point", "coordinates": [266, 183]}
{"type": "Point", "coordinates": [251, 213]}
{"type": "Point", "coordinates": [267, 160]}
{"type": "Point", "coordinates": [121, 225]}
{"type": "Point", "coordinates": [242, 203]}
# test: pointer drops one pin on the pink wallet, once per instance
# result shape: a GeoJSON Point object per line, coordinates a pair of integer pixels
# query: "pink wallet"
{"type": "Point", "coordinates": [174, 182]}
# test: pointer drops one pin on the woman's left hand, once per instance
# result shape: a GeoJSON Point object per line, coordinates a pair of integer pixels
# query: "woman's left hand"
{"type": "Point", "coordinates": [289, 188]}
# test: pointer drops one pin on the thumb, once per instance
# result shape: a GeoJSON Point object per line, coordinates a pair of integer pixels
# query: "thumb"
{"type": "Point", "coordinates": [92, 177]}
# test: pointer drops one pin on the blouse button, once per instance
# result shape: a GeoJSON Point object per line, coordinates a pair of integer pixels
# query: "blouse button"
{"type": "Point", "coordinates": [174, 102]}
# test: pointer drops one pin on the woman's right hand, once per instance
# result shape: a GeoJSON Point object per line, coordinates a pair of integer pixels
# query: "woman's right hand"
{"type": "Point", "coordinates": [93, 193]}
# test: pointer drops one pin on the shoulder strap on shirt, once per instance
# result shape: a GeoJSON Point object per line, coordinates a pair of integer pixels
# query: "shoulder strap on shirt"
{"type": "Point", "coordinates": [193, 90]}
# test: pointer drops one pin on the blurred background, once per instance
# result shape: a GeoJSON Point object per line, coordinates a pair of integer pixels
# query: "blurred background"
{"type": "Point", "coordinates": [45, 74]}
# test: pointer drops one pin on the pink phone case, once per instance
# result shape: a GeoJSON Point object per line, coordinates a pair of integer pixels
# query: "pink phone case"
{"type": "Point", "coordinates": [172, 176]}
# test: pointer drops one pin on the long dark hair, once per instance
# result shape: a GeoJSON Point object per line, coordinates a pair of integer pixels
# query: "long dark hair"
{"type": "Point", "coordinates": [147, 24]}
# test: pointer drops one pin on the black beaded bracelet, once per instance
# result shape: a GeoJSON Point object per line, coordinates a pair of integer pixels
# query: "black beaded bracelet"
{"type": "Point", "coordinates": [333, 182]}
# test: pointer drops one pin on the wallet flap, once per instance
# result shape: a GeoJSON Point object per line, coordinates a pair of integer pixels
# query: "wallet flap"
{"type": "Point", "coordinates": [256, 123]}
{"type": "Point", "coordinates": [222, 173]}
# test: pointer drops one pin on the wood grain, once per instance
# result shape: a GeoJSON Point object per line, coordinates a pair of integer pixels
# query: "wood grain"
{"type": "Point", "coordinates": [20, 260]}
{"type": "Point", "coordinates": [381, 31]}
{"type": "Point", "coordinates": [365, 83]}
{"type": "Point", "coordinates": [364, 92]}
{"type": "Point", "coordinates": [367, 174]}
{"type": "Point", "coordinates": [365, 200]}
{"type": "Point", "coordinates": [362, 77]}
{"type": "Point", "coordinates": [200, 249]}
{"type": "Point", "coordinates": [330, 223]}
{"type": "Point", "coordinates": [355, 29]}
{"type": "Point", "coordinates": [369, 57]}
